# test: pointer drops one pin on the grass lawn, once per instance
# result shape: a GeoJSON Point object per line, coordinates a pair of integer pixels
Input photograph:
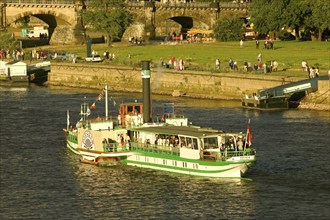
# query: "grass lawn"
{"type": "Point", "coordinates": [201, 56]}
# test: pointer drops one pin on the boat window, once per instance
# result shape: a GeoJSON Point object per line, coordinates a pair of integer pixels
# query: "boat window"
{"type": "Point", "coordinates": [195, 144]}
{"type": "Point", "coordinates": [138, 109]}
{"type": "Point", "coordinates": [183, 142]}
{"type": "Point", "coordinates": [189, 142]}
{"type": "Point", "coordinates": [130, 108]}
{"type": "Point", "coordinates": [211, 143]}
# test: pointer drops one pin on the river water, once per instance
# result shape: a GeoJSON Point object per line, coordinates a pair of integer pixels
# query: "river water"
{"type": "Point", "coordinates": [41, 179]}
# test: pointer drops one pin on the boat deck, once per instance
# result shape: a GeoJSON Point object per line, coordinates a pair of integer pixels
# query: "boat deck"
{"type": "Point", "coordinates": [180, 130]}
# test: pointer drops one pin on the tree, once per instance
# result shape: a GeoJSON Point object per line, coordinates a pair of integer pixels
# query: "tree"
{"type": "Point", "coordinates": [259, 14]}
{"type": "Point", "coordinates": [319, 20]}
{"type": "Point", "coordinates": [267, 15]}
{"type": "Point", "coordinates": [8, 41]}
{"type": "Point", "coordinates": [296, 13]}
{"type": "Point", "coordinates": [24, 21]}
{"type": "Point", "coordinates": [108, 16]}
{"type": "Point", "coordinates": [299, 15]}
{"type": "Point", "coordinates": [228, 27]}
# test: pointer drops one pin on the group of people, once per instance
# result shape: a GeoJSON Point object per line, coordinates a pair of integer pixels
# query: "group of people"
{"type": "Point", "coordinates": [268, 44]}
{"type": "Point", "coordinates": [173, 63]}
{"type": "Point", "coordinates": [136, 40]}
{"type": "Point", "coordinates": [14, 54]}
{"type": "Point", "coordinates": [108, 56]}
{"type": "Point", "coordinates": [247, 67]}
{"type": "Point", "coordinates": [166, 140]}
{"type": "Point", "coordinates": [233, 64]}
{"type": "Point", "coordinates": [311, 70]}
{"type": "Point", "coordinates": [111, 145]}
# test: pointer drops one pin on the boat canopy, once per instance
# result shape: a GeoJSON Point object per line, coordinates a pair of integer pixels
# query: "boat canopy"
{"type": "Point", "coordinates": [179, 130]}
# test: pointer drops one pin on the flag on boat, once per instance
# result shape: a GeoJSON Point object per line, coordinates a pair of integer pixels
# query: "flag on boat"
{"type": "Point", "coordinates": [93, 106]}
{"type": "Point", "coordinates": [100, 97]}
{"type": "Point", "coordinates": [249, 134]}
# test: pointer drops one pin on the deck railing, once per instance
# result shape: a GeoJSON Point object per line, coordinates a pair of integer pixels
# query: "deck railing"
{"type": "Point", "coordinates": [169, 150]}
{"type": "Point", "coordinates": [137, 147]}
{"type": "Point", "coordinates": [226, 154]}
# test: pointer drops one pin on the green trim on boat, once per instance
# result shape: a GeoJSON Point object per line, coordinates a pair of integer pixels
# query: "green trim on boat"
{"type": "Point", "coordinates": [73, 138]}
{"type": "Point", "coordinates": [72, 149]}
{"type": "Point", "coordinates": [177, 168]}
{"type": "Point", "coordinates": [197, 161]}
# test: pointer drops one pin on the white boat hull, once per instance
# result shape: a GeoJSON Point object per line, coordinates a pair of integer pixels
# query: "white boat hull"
{"type": "Point", "coordinates": [233, 170]}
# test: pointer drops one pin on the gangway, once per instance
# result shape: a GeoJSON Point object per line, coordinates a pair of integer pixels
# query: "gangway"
{"type": "Point", "coordinates": [309, 85]}
{"type": "Point", "coordinates": [281, 97]}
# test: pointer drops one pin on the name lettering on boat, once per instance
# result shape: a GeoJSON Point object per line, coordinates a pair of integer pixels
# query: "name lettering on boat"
{"type": "Point", "coordinates": [88, 140]}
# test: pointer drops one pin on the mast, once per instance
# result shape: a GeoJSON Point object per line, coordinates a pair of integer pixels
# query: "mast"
{"type": "Point", "coordinates": [106, 101]}
{"type": "Point", "coordinates": [84, 110]}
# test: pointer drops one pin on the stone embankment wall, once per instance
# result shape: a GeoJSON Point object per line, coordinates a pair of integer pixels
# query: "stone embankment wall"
{"type": "Point", "coordinates": [169, 82]}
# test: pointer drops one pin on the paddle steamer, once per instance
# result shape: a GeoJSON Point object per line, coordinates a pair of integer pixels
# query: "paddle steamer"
{"type": "Point", "coordinates": [165, 142]}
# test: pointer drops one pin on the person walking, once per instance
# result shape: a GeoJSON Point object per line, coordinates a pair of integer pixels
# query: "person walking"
{"type": "Point", "coordinates": [317, 71]}
{"type": "Point", "coordinates": [257, 44]}
{"type": "Point", "coordinates": [231, 64]}
{"type": "Point", "coordinates": [241, 44]}
{"type": "Point", "coordinates": [304, 65]}
{"type": "Point", "coordinates": [217, 64]}
{"type": "Point", "coordinates": [259, 57]}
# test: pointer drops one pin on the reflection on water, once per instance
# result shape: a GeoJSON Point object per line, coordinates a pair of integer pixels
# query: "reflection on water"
{"type": "Point", "coordinates": [143, 193]}
{"type": "Point", "coordinates": [296, 114]}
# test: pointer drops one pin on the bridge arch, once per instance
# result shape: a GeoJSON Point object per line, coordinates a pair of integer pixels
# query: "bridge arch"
{"type": "Point", "coordinates": [185, 22]}
{"type": "Point", "coordinates": [51, 19]}
{"type": "Point", "coordinates": [63, 19]}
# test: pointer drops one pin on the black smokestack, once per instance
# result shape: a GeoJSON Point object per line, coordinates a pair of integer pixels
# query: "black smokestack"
{"type": "Point", "coordinates": [146, 90]}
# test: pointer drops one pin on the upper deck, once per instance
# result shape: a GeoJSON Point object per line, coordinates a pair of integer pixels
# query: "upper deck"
{"type": "Point", "coordinates": [180, 130]}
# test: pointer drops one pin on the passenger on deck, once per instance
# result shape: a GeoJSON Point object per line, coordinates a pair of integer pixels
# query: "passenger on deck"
{"type": "Point", "coordinates": [147, 142]}
{"type": "Point", "coordinates": [176, 142]}
{"type": "Point", "coordinates": [159, 141]}
{"type": "Point", "coordinates": [172, 141]}
{"type": "Point", "coordinates": [122, 140]}
{"type": "Point", "coordinates": [231, 144]}
{"type": "Point", "coordinates": [240, 144]}
{"type": "Point", "coordinates": [223, 150]}
{"type": "Point", "coordinates": [167, 142]}
{"type": "Point", "coordinates": [128, 140]}
{"type": "Point", "coordinates": [183, 142]}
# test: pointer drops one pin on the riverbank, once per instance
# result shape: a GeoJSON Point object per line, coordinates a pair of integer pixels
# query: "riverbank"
{"type": "Point", "coordinates": [194, 84]}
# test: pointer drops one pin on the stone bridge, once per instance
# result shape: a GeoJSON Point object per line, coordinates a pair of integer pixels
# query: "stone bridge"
{"type": "Point", "coordinates": [62, 16]}
{"type": "Point", "coordinates": [162, 18]}
{"type": "Point", "coordinates": [152, 19]}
